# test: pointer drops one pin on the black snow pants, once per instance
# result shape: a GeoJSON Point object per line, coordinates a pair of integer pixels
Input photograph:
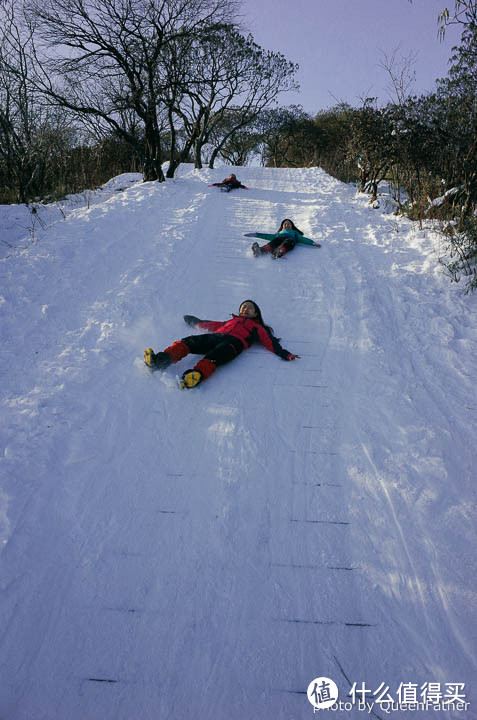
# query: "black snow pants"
{"type": "Point", "coordinates": [219, 348]}
{"type": "Point", "coordinates": [287, 243]}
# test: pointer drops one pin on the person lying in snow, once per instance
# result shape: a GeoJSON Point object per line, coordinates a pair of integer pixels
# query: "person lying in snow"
{"type": "Point", "coordinates": [222, 344]}
{"type": "Point", "coordinates": [284, 240]}
{"type": "Point", "coordinates": [230, 183]}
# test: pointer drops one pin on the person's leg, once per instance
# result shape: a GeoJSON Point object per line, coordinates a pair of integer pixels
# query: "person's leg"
{"type": "Point", "coordinates": [268, 248]}
{"type": "Point", "coordinates": [162, 360]}
{"type": "Point", "coordinates": [222, 353]}
{"type": "Point", "coordinates": [285, 247]}
{"type": "Point", "coordinates": [202, 344]}
{"type": "Point", "coordinates": [196, 344]}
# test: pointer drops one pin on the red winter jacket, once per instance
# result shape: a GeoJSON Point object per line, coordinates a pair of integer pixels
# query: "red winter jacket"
{"type": "Point", "coordinates": [247, 331]}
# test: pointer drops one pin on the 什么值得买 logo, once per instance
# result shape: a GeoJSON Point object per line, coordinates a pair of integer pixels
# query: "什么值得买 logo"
{"type": "Point", "coordinates": [322, 693]}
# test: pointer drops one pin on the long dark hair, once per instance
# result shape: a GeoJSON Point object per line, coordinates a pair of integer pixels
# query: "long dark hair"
{"type": "Point", "coordinates": [294, 227]}
{"type": "Point", "coordinates": [258, 317]}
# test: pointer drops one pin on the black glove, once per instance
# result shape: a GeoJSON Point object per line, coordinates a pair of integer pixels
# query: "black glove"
{"type": "Point", "coordinates": [192, 320]}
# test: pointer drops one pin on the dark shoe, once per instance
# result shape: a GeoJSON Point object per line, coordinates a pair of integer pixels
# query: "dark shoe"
{"type": "Point", "coordinates": [156, 361]}
{"type": "Point", "coordinates": [191, 378]}
{"type": "Point", "coordinates": [162, 360]}
{"type": "Point", "coordinates": [256, 249]}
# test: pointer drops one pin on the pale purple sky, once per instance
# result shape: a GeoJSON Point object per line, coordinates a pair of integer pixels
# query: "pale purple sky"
{"type": "Point", "coordinates": [337, 44]}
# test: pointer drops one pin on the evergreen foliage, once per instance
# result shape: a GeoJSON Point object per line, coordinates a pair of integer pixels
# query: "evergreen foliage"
{"type": "Point", "coordinates": [424, 147]}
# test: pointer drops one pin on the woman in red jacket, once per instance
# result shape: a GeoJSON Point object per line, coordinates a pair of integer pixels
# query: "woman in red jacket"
{"type": "Point", "coordinates": [222, 344]}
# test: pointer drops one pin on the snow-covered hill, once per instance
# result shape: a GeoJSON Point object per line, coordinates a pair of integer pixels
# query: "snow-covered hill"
{"type": "Point", "coordinates": [208, 553]}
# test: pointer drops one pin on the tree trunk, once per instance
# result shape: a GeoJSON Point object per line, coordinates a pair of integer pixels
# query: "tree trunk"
{"type": "Point", "coordinates": [173, 162]}
{"type": "Point", "coordinates": [198, 155]}
{"type": "Point", "coordinates": [153, 154]}
{"type": "Point", "coordinates": [374, 190]}
{"type": "Point", "coordinates": [173, 165]}
{"type": "Point", "coordinates": [213, 158]}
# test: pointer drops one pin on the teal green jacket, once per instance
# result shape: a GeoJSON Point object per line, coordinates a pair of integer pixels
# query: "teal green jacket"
{"type": "Point", "coordinates": [286, 233]}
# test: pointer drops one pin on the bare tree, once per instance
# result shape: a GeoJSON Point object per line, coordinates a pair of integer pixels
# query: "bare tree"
{"type": "Point", "coordinates": [33, 136]}
{"type": "Point", "coordinates": [266, 74]}
{"type": "Point", "coordinates": [401, 74]}
{"type": "Point", "coordinates": [101, 58]}
{"type": "Point", "coordinates": [219, 76]}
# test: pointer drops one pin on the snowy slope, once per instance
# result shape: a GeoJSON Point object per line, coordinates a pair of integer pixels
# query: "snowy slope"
{"type": "Point", "coordinates": [211, 552]}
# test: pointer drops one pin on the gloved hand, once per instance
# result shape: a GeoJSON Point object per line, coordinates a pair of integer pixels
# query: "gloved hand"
{"type": "Point", "coordinates": [192, 320]}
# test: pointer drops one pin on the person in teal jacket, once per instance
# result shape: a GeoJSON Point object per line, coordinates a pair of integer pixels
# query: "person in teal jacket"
{"type": "Point", "coordinates": [281, 242]}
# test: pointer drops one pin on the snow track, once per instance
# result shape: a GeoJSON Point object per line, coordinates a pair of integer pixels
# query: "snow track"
{"type": "Point", "coordinates": [210, 552]}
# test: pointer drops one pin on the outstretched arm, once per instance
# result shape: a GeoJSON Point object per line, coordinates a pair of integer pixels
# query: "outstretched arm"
{"type": "Point", "coordinates": [204, 324]}
{"type": "Point", "coordinates": [210, 324]}
{"type": "Point", "coordinates": [262, 236]}
{"type": "Point", "coordinates": [306, 241]}
{"type": "Point", "coordinates": [192, 320]}
{"type": "Point", "coordinates": [272, 344]}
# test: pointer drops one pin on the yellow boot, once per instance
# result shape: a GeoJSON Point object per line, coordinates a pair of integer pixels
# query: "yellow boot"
{"type": "Point", "coordinates": [191, 378]}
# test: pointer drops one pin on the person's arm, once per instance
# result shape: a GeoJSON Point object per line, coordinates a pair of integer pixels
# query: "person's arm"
{"type": "Point", "coordinates": [306, 241]}
{"type": "Point", "coordinates": [210, 324]}
{"type": "Point", "coordinates": [204, 324]}
{"type": "Point", "coordinates": [192, 320]}
{"type": "Point", "coordinates": [262, 236]}
{"type": "Point", "coordinates": [271, 343]}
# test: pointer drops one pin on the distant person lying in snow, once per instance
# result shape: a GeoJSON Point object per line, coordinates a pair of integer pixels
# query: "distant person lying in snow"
{"type": "Point", "coordinates": [222, 344]}
{"type": "Point", "coordinates": [230, 183]}
{"type": "Point", "coordinates": [281, 242]}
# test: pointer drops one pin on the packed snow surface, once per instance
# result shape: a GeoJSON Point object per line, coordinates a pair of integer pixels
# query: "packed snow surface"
{"type": "Point", "coordinates": [208, 553]}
